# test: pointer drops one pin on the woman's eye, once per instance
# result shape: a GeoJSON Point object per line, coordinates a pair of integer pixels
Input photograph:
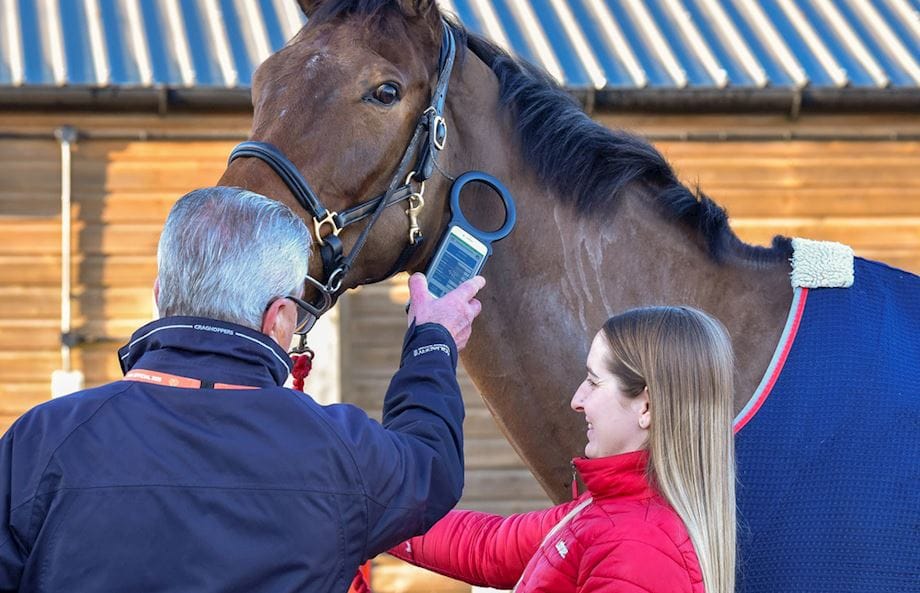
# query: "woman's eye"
{"type": "Point", "coordinates": [386, 94]}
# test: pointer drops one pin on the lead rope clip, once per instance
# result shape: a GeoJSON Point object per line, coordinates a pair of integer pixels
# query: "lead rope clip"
{"type": "Point", "coordinates": [416, 203]}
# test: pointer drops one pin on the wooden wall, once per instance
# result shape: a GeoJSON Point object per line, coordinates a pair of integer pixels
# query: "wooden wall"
{"type": "Point", "coordinates": [865, 195]}
{"type": "Point", "coordinates": [122, 191]}
{"type": "Point", "coordinates": [862, 192]}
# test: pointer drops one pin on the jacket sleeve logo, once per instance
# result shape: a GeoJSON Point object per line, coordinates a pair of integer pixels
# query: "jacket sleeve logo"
{"type": "Point", "coordinates": [431, 348]}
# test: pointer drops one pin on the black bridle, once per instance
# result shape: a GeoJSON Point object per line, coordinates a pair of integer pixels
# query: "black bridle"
{"type": "Point", "coordinates": [426, 143]}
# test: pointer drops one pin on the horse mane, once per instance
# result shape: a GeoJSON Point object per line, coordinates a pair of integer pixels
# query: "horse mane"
{"type": "Point", "coordinates": [590, 166]}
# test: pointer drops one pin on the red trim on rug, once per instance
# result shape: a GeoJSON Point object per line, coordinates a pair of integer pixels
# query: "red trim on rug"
{"type": "Point", "coordinates": [780, 363]}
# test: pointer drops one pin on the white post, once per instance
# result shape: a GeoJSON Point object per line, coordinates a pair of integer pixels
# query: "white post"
{"type": "Point", "coordinates": [324, 383]}
{"type": "Point", "coordinates": [65, 380]}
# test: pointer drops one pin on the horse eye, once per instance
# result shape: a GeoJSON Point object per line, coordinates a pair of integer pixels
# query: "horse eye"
{"type": "Point", "coordinates": [386, 94]}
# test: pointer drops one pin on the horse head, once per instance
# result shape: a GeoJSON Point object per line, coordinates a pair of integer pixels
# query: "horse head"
{"type": "Point", "coordinates": [357, 107]}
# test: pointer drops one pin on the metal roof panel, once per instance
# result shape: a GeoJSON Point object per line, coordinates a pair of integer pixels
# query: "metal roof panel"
{"type": "Point", "coordinates": [817, 62]}
{"type": "Point", "coordinates": [616, 60]}
{"type": "Point", "coordinates": [862, 67]}
{"type": "Point", "coordinates": [113, 26]}
{"type": "Point", "coordinates": [882, 40]}
{"type": "Point", "coordinates": [722, 40]}
{"type": "Point", "coordinates": [76, 44]}
{"type": "Point", "coordinates": [775, 65]}
{"type": "Point", "coordinates": [659, 45]}
{"type": "Point", "coordinates": [170, 63]}
{"type": "Point", "coordinates": [561, 41]}
{"type": "Point", "coordinates": [11, 54]}
{"type": "Point", "coordinates": [518, 42]}
{"type": "Point", "coordinates": [699, 66]}
{"type": "Point", "coordinates": [649, 45]}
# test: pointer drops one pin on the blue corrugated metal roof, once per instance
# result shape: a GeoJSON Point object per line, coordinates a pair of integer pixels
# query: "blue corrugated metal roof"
{"type": "Point", "coordinates": [586, 44]}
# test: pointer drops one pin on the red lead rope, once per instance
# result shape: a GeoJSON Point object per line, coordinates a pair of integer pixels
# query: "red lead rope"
{"type": "Point", "coordinates": [303, 364]}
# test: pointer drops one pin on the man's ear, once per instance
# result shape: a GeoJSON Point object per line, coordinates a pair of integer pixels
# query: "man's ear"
{"type": "Point", "coordinates": [156, 291]}
{"type": "Point", "coordinates": [279, 320]}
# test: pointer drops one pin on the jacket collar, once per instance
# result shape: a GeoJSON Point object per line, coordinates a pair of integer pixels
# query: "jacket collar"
{"type": "Point", "coordinates": [207, 349]}
{"type": "Point", "coordinates": [618, 476]}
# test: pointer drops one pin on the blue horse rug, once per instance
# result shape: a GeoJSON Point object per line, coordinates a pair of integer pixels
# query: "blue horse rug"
{"type": "Point", "coordinates": [829, 447]}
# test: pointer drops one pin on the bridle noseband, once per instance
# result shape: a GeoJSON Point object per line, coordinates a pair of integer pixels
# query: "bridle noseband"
{"type": "Point", "coordinates": [427, 141]}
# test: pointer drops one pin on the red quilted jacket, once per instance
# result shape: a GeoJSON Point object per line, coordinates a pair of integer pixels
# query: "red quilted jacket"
{"type": "Point", "coordinates": [627, 540]}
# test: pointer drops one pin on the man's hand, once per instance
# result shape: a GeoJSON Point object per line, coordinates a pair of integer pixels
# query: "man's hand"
{"type": "Point", "coordinates": [456, 310]}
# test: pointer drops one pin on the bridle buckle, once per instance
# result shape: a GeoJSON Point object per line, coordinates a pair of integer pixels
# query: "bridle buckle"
{"type": "Point", "coordinates": [328, 219]}
{"type": "Point", "coordinates": [439, 136]}
{"type": "Point", "coordinates": [438, 128]}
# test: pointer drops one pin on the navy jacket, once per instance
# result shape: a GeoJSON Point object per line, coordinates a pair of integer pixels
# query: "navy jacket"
{"type": "Point", "coordinates": [140, 487]}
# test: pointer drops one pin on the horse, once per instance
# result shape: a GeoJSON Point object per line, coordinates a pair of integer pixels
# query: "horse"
{"type": "Point", "coordinates": [387, 98]}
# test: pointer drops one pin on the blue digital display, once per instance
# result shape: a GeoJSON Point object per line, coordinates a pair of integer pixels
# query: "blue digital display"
{"type": "Point", "coordinates": [456, 263]}
{"type": "Point", "coordinates": [463, 249]}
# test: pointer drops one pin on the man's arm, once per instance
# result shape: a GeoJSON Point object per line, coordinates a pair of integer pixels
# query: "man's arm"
{"type": "Point", "coordinates": [412, 467]}
{"type": "Point", "coordinates": [423, 412]}
{"type": "Point", "coordinates": [11, 560]}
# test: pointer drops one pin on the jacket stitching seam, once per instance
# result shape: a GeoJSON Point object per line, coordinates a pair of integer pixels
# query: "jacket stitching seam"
{"type": "Point", "coordinates": [51, 457]}
{"type": "Point", "coordinates": [666, 535]}
{"type": "Point", "coordinates": [331, 427]}
{"type": "Point", "coordinates": [196, 487]}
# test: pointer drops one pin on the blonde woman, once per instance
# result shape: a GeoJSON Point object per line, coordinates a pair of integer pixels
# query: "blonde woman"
{"type": "Point", "coordinates": [659, 513]}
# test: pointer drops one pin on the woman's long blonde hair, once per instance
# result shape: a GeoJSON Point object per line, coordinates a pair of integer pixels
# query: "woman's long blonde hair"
{"type": "Point", "coordinates": [685, 359]}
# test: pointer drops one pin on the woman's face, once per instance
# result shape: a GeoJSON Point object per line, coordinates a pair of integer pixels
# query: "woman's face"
{"type": "Point", "coordinates": [617, 423]}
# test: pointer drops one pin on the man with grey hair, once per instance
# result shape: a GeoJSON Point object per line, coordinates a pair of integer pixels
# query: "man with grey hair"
{"type": "Point", "coordinates": [199, 471]}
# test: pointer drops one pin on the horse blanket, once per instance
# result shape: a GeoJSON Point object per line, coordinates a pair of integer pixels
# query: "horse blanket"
{"type": "Point", "coordinates": [829, 448]}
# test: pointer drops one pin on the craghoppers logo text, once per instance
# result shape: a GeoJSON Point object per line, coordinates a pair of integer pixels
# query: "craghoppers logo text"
{"type": "Point", "coordinates": [431, 348]}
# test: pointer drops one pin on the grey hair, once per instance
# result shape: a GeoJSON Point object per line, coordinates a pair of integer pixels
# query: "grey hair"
{"type": "Point", "coordinates": [226, 252]}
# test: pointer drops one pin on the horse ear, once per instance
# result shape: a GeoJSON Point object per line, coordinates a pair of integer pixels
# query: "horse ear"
{"type": "Point", "coordinates": [417, 7]}
{"type": "Point", "coordinates": [308, 6]}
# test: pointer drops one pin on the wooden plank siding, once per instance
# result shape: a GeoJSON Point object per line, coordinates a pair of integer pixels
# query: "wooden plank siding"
{"type": "Point", "coordinates": [122, 191]}
{"type": "Point", "coordinates": [862, 192]}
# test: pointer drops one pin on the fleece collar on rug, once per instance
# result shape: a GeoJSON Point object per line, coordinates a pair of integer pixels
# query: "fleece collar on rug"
{"type": "Point", "coordinates": [821, 264]}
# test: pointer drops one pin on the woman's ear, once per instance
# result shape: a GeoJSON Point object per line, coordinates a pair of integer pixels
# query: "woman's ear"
{"type": "Point", "coordinates": [643, 409]}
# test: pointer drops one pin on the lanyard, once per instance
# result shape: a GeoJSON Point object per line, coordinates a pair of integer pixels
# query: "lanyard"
{"type": "Point", "coordinates": [167, 380]}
